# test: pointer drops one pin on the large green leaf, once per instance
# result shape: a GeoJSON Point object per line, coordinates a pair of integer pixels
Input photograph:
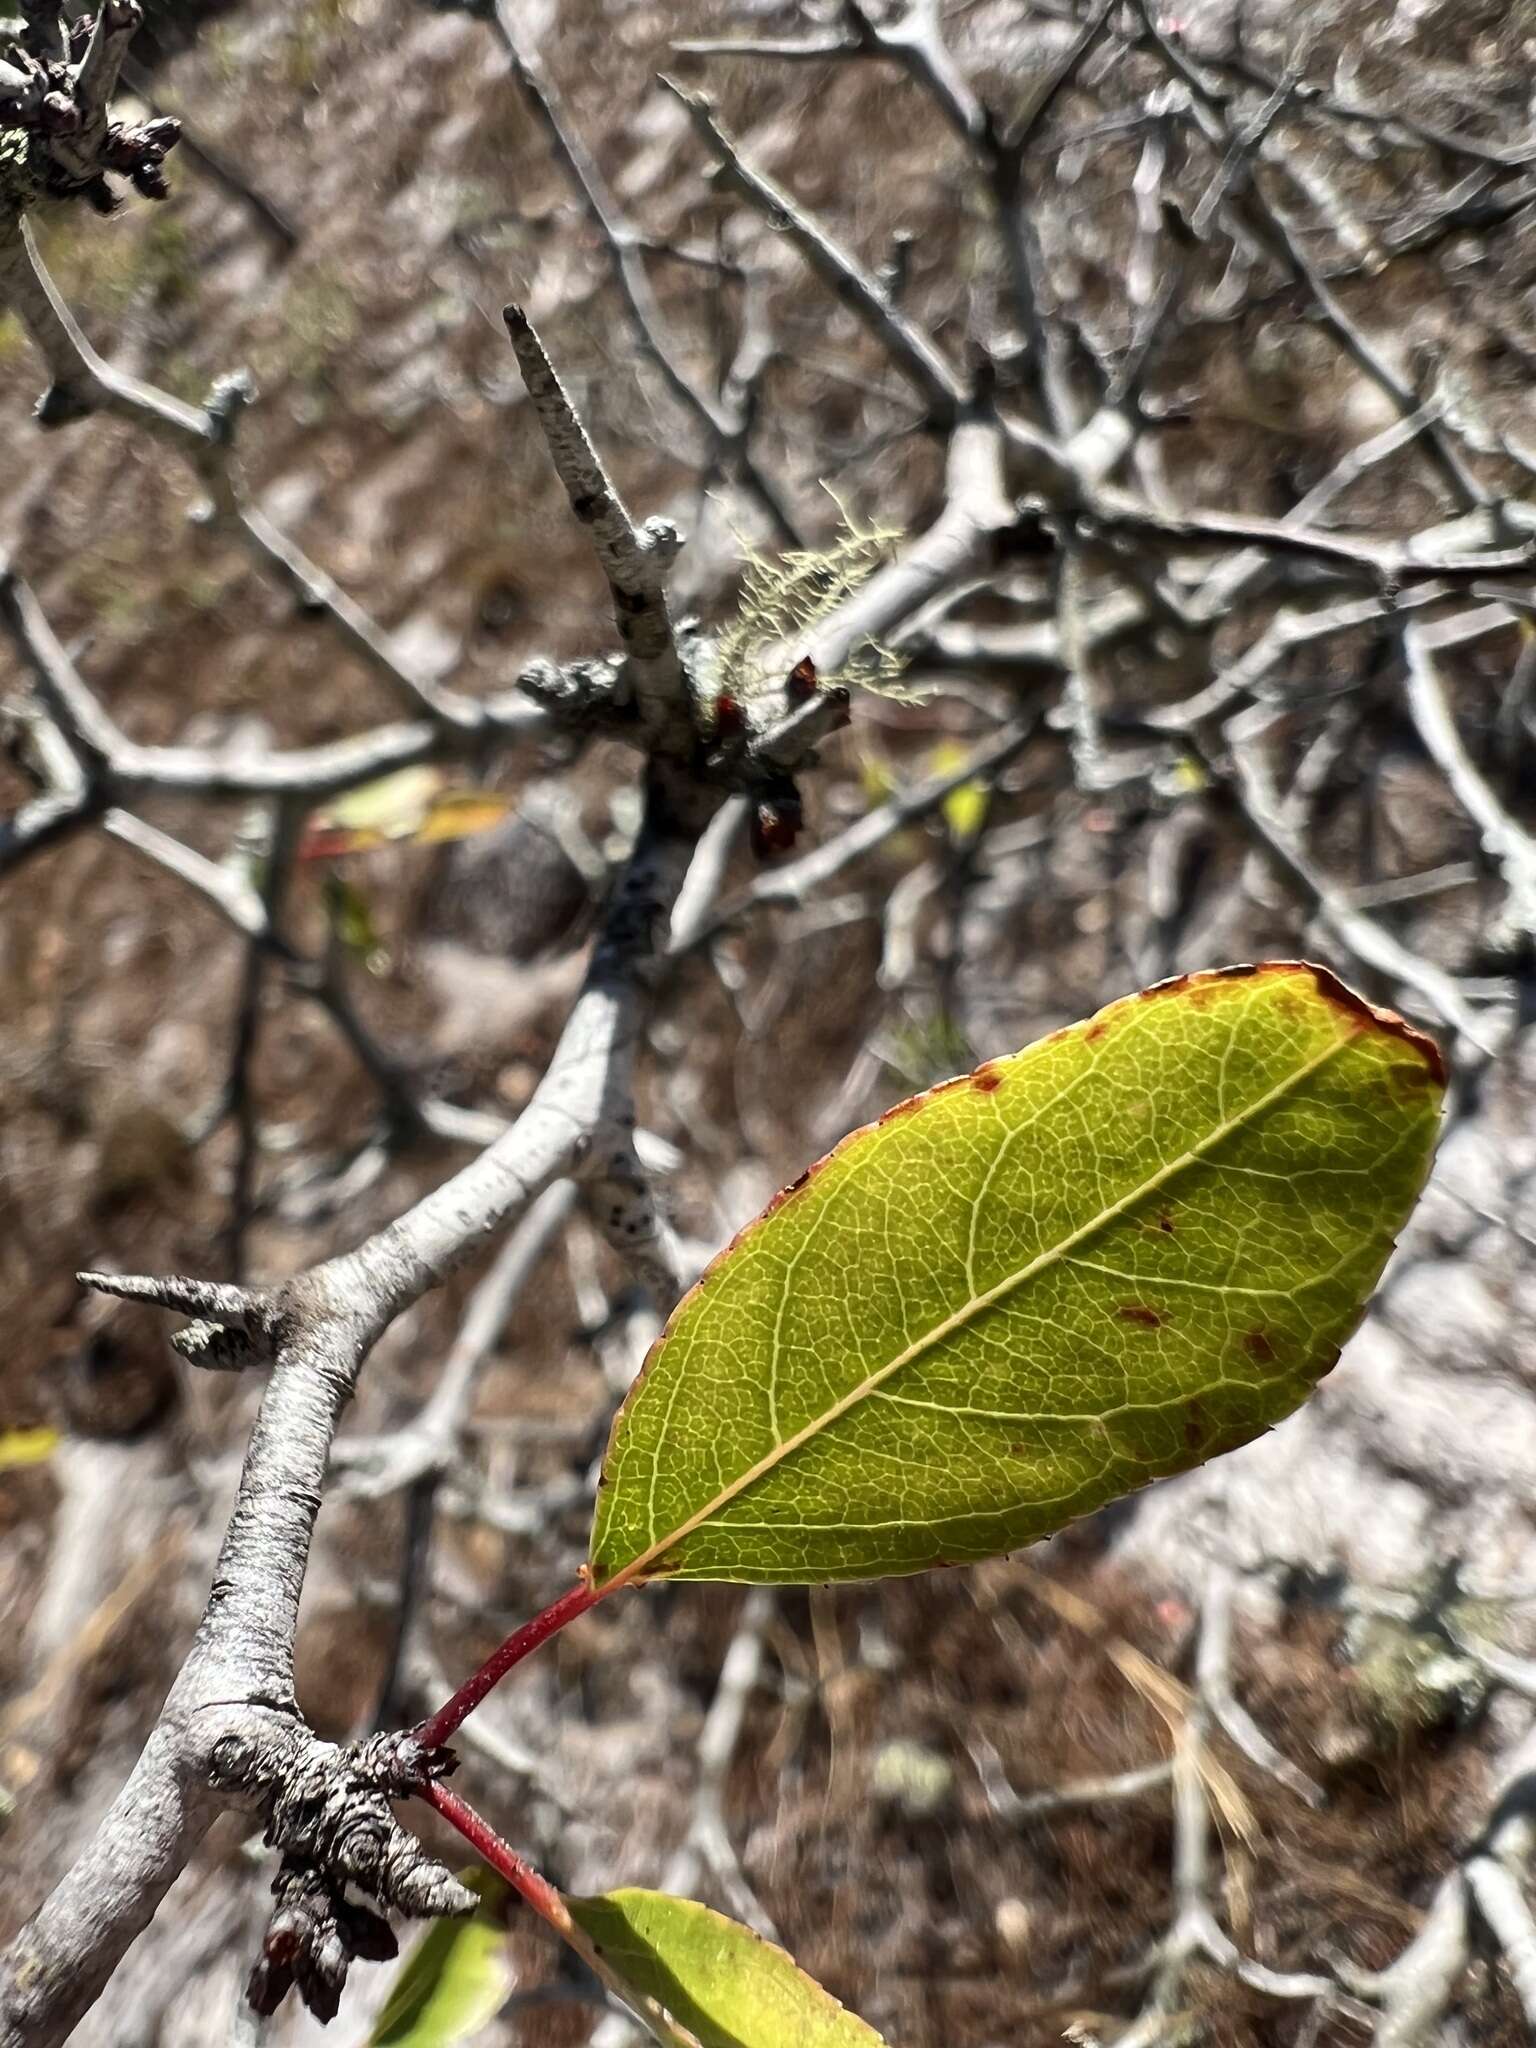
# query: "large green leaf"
{"type": "Point", "coordinates": [456, 1978]}
{"type": "Point", "coordinates": [725, 1984]}
{"type": "Point", "coordinates": [1131, 1246]}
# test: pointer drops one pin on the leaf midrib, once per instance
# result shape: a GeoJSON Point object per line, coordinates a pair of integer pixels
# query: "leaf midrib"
{"type": "Point", "coordinates": [976, 1306]}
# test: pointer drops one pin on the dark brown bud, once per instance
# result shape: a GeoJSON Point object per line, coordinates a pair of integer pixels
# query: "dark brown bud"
{"type": "Point", "coordinates": [267, 1986]}
{"type": "Point", "coordinates": [776, 820]}
{"type": "Point", "coordinates": [365, 1933]}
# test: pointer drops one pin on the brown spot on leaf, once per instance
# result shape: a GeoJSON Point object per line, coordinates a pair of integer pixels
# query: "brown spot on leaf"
{"type": "Point", "coordinates": [912, 1104]}
{"type": "Point", "coordinates": [801, 1180]}
{"type": "Point", "coordinates": [1095, 1032]}
{"type": "Point", "coordinates": [1332, 990]}
{"type": "Point", "coordinates": [1138, 1312]}
{"type": "Point", "coordinates": [986, 1079]}
{"type": "Point", "coordinates": [1165, 1224]}
{"type": "Point", "coordinates": [1199, 991]}
{"type": "Point", "coordinates": [1258, 1346]}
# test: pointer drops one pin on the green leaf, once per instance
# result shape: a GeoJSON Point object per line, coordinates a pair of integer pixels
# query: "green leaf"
{"type": "Point", "coordinates": [412, 807]}
{"type": "Point", "coordinates": [1134, 1245]}
{"type": "Point", "coordinates": [350, 916]}
{"type": "Point", "coordinates": [965, 808]}
{"type": "Point", "coordinates": [878, 780]}
{"type": "Point", "coordinates": [456, 1978]}
{"type": "Point", "coordinates": [721, 1981]}
{"type": "Point", "coordinates": [26, 1447]}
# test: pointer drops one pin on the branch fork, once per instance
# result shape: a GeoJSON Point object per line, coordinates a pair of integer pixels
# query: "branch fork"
{"type": "Point", "coordinates": [231, 1328]}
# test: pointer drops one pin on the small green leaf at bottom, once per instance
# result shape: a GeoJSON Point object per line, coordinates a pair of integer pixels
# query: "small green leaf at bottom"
{"type": "Point", "coordinates": [725, 1984]}
{"type": "Point", "coordinates": [456, 1978]}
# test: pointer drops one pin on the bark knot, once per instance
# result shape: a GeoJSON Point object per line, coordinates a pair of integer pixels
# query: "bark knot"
{"type": "Point", "coordinates": [346, 1860]}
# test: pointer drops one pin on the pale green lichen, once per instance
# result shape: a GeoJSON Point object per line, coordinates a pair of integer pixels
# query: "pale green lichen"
{"type": "Point", "coordinates": [1412, 1670]}
{"type": "Point", "coordinates": [914, 1778]}
{"type": "Point", "coordinates": [785, 597]}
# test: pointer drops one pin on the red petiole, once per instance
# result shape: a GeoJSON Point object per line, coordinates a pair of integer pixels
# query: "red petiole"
{"type": "Point", "coordinates": [532, 1889]}
{"type": "Point", "coordinates": [549, 1904]}
{"type": "Point", "coordinates": [500, 1856]}
{"type": "Point", "coordinates": [450, 1716]}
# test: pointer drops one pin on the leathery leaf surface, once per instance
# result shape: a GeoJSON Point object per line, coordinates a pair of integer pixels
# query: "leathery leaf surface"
{"type": "Point", "coordinates": [725, 1984]}
{"type": "Point", "coordinates": [1135, 1244]}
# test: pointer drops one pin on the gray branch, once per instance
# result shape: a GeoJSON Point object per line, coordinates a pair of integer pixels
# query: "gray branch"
{"type": "Point", "coordinates": [910, 350]}
{"type": "Point", "coordinates": [234, 1694]}
{"type": "Point", "coordinates": [634, 559]}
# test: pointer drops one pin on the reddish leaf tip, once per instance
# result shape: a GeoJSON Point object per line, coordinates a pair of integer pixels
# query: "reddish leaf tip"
{"type": "Point", "coordinates": [1200, 986]}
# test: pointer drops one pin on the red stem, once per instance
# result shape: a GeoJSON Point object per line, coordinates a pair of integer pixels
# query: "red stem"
{"type": "Point", "coordinates": [450, 1716]}
{"type": "Point", "coordinates": [534, 1890]}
